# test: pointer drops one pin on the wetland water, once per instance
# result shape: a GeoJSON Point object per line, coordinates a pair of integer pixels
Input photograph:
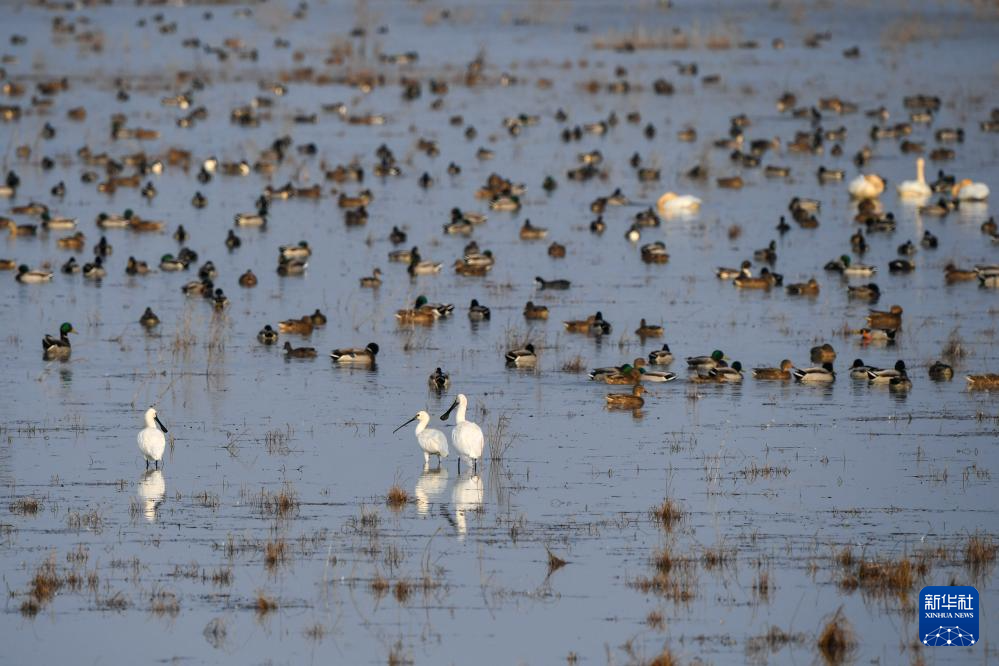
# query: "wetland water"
{"type": "Point", "coordinates": [796, 500]}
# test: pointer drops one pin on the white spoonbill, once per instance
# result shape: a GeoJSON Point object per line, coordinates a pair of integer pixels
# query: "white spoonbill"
{"type": "Point", "coordinates": [151, 441]}
{"type": "Point", "coordinates": [466, 436]}
{"type": "Point", "coordinates": [916, 189]}
{"type": "Point", "coordinates": [433, 442]}
{"type": "Point", "coordinates": [866, 186]}
{"type": "Point", "coordinates": [967, 190]}
{"type": "Point", "coordinates": [672, 203]}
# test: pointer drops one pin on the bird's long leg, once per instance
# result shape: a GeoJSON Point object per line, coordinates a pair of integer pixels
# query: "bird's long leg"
{"type": "Point", "coordinates": [147, 463]}
{"type": "Point", "coordinates": [157, 464]}
{"type": "Point", "coordinates": [459, 465]}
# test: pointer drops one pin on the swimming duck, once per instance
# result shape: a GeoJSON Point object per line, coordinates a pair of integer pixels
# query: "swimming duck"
{"type": "Point", "coordinates": [866, 186]}
{"type": "Point", "coordinates": [867, 292]}
{"type": "Point", "coordinates": [373, 281]}
{"type": "Point", "coordinates": [397, 236]}
{"type": "Point", "coordinates": [781, 373]}
{"type": "Point", "coordinates": [532, 311]}
{"type": "Point", "coordinates": [583, 325]}
{"type": "Point", "coordinates": [418, 314]}
{"type": "Point", "coordinates": [232, 241]}
{"type": "Point", "coordinates": [880, 335]}
{"type": "Point", "coordinates": [598, 226]}
{"type": "Point", "coordinates": [731, 273]}
{"type": "Point", "coordinates": [645, 330]}
{"type": "Point", "coordinates": [145, 226]}
{"type": "Point", "coordinates": [439, 380]}
{"type": "Point", "coordinates": [419, 267]}
{"type": "Point", "coordinates": [661, 356]}
{"type": "Point", "coordinates": [149, 319]}
{"type": "Point", "coordinates": [556, 250]}
{"type": "Point", "coordinates": [915, 189]}
{"type": "Point", "coordinates": [823, 354]}
{"type": "Point", "coordinates": [767, 254]}
{"type": "Point", "coordinates": [900, 383]}
{"type": "Point", "coordinates": [475, 258]}
{"type": "Point", "coordinates": [824, 374]}
{"type": "Point", "coordinates": [181, 234]}
{"type": "Point", "coordinates": [653, 376]}
{"type": "Point", "coordinates": [318, 318]}
{"type": "Point", "coordinates": [356, 356]}
{"type": "Point", "coordinates": [219, 300]}
{"type": "Point", "coordinates": [202, 287]}
{"type": "Point", "coordinates": [248, 279]}
{"type": "Point", "coordinates": [75, 242]}
{"type": "Point", "coordinates": [552, 284]}
{"type": "Point", "coordinates": [726, 374]}
{"type": "Point", "coordinates": [299, 352]}
{"type": "Point", "coordinates": [901, 266]}
{"type": "Point", "coordinates": [626, 374]}
{"type": "Point", "coordinates": [530, 232]}
{"type": "Point", "coordinates": [929, 241]}
{"type": "Point", "coordinates": [94, 271]}
{"type": "Point", "coordinates": [983, 382]}
{"type": "Point", "coordinates": [103, 248]}
{"type": "Point", "coordinates": [892, 318]}
{"type": "Point", "coordinates": [27, 276]}
{"type": "Point", "coordinates": [469, 270]}
{"type": "Point", "coordinates": [883, 376]}
{"type": "Point", "coordinates": [18, 230]}
{"type": "Point", "coordinates": [940, 208]}
{"type": "Point", "coordinates": [288, 267]}
{"type": "Point", "coordinates": [631, 400]}
{"type": "Point", "coordinates": [71, 267]}
{"type": "Point", "coordinates": [858, 242]}
{"type": "Point", "coordinates": [507, 202]}
{"type": "Point", "coordinates": [53, 347]}
{"type": "Point", "coordinates": [50, 223]}
{"type": "Point", "coordinates": [258, 219]}
{"type": "Point", "coordinates": [705, 363]}
{"type": "Point", "coordinates": [524, 357]}
{"type": "Point", "coordinates": [810, 288]}
{"type": "Point", "coordinates": [298, 251]}
{"type": "Point", "coordinates": [207, 271]}
{"type": "Point", "coordinates": [765, 280]}
{"type": "Point", "coordinates": [859, 370]}
{"type": "Point", "coordinates": [671, 203]}
{"type": "Point", "coordinates": [655, 253]}
{"type": "Point", "coordinates": [967, 190]}
{"type": "Point", "coordinates": [199, 200]}
{"type": "Point", "coordinates": [477, 312]}
{"type": "Point", "coordinates": [301, 326]}
{"type": "Point", "coordinates": [941, 372]}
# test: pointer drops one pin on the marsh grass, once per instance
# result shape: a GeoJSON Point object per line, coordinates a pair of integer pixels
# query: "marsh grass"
{"type": "Point", "coordinates": [575, 365]}
{"type": "Point", "coordinates": [837, 639]}
{"type": "Point", "coordinates": [264, 604]}
{"type": "Point", "coordinates": [402, 591]}
{"type": "Point", "coordinates": [275, 553]}
{"type": "Point", "coordinates": [164, 602]}
{"type": "Point", "coordinates": [668, 515]}
{"type": "Point", "coordinates": [980, 553]}
{"type": "Point", "coordinates": [282, 504]}
{"type": "Point", "coordinates": [25, 506]}
{"type": "Point", "coordinates": [554, 561]}
{"type": "Point", "coordinates": [397, 497]}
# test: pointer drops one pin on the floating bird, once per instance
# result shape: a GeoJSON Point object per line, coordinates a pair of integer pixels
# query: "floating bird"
{"type": "Point", "coordinates": [439, 380]}
{"type": "Point", "coordinates": [824, 374]}
{"type": "Point", "coordinates": [532, 311]}
{"type": "Point", "coordinates": [633, 400]}
{"type": "Point", "coordinates": [967, 190]}
{"type": "Point", "coordinates": [53, 347]}
{"type": "Point", "coordinates": [883, 376]}
{"type": "Point", "coordinates": [706, 363]}
{"type": "Point", "coordinates": [983, 382]}
{"type": "Point", "coordinates": [27, 276]}
{"type": "Point", "coordinates": [149, 319]}
{"type": "Point", "coordinates": [781, 373]}
{"type": "Point", "coordinates": [267, 335]}
{"type": "Point", "coordinates": [466, 436]}
{"type": "Point", "coordinates": [916, 189]}
{"type": "Point", "coordinates": [941, 372]}
{"type": "Point", "coordinates": [524, 357]}
{"type": "Point", "coordinates": [859, 370]}
{"type": "Point", "coordinates": [298, 352]}
{"type": "Point", "coordinates": [151, 441]}
{"type": "Point", "coordinates": [477, 312]}
{"type": "Point", "coordinates": [552, 284]}
{"type": "Point", "coordinates": [648, 330]}
{"type": "Point", "coordinates": [823, 353]}
{"type": "Point", "coordinates": [661, 356]}
{"type": "Point", "coordinates": [866, 186]}
{"type": "Point", "coordinates": [373, 281]}
{"type": "Point", "coordinates": [433, 442]}
{"type": "Point", "coordinates": [672, 203]}
{"type": "Point", "coordinates": [355, 356]}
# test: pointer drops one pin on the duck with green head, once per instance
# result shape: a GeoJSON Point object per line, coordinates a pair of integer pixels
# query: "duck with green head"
{"type": "Point", "coordinates": [60, 347]}
{"type": "Point", "coordinates": [705, 363]}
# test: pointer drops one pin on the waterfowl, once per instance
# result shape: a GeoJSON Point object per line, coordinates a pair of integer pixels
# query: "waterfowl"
{"type": "Point", "coordinates": [301, 250]}
{"type": "Point", "coordinates": [418, 314]}
{"type": "Point", "coordinates": [918, 188]}
{"type": "Point", "coordinates": [103, 248]}
{"type": "Point", "coordinates": [552, 284]}
{"type": "Point", "coordinates": [471, 270]}
{"type": "Point", "coordinates": [169, 263]}
{"type": "Point", "coordinates": [954, 274]}
{"type": "Point", "coordinates": [248, 279]}
{"type": "Point", "coordinates": [149, 319]}
{"type": "Point", "coordinates": [53, 347]}
{"type": "Point", "coordinates": [232, 241]}
{"type": "Point", "coordinates": [867, 292]}
{"type": "Point", "coordinates": [356, 356]}
{"type": "Point", "coordinates": [724, 373]}
{"type": "Point", "coordinates": [373, 281]}
{"type": "Point", "coordinates": [940, 208]}
{"type": "Point", "coordinates": [892, 318]}
{"type": "Point", "coordinates": [767, 254]}
{"type": "Point", "coordinates": [288, 267]}
{"type": "Point", "coordinates": [477, 312]}
{"type": "Point", "coordinates": [505, 203]}
{"type": "Point", "coordinates": [829, 175]}
{"type": "Point", "coordinates": [823, 353]}
{"type": "Point", "coordinates": [466, 436]}
{"type": "Point", "coordinates": [18, 230]}
{"type": "Point", "coordinates": [94, 271]}
{"type": "Point", "coordinates": [50, 223]}
{"type": "Point", "coordinates": [475, 258]}
{"type": "Point", "coordinates": [883, 376]}
{"type": "Point", "coordinates": [661, 356]}
{"type": "Point", "coordinates": [419, 267]}
{"type": "Point", "coordinates": [900, 383]}
{"type": "Point", "coordinates": [967, 190]}
{"type": "Point", "coordinates": [439, 380]}
{"type": "Point", "coordinates": [258, 219]}
{"type": "Point", "coordinates": [583, 325]}
{"type": "Point", "coordinates": [598, 226]}
{"type": "Point", "coordinates": [775, 171]}
{"type": "Point", "coordinates": [76, 242]}
{"type": "Point", "coordinates": [626, 374]}
{"type": "Point", "coordinates": [631, 400]}
{"type": "Point", "coordinates": [823, 374]}
{"type": "Point", "coordinates": [530, 232]}
{"type": "Point", "coordinates": [704, 363]}
{"type": "Point", "coordinates": [524, 357]}
{"type": "Point", "coordinates": [730, 273]}
{"type": "Point", "coordinates": [151, 441]}
{"type": "Point", "coordinates": [901, 266]}
{"type": "Point", "coordinates": [866, 186]}
{"type": "Point", "coordinates": [181, 234]}
{"type": "Point", "coordinates": [318, 318]}
{"type": "Point", "coordinates": [648, 330]}
{"type": "Point", "coordinates": [556, 250]}
{"type": "Point", "coordinates": [907, 249]}
{"type": "Point", "coordinates": [145, 226]}
{"type": "Point", "coordinates": [655, 253]}
{"type": "Point", "coordinates": [397, 236]}
{"type": "Point", "coordinates": [532, 311]}
{"type": "Point", "coordinates": [267, 335]}
{"type": "Point", "coordinates": [810, 288]}
{"type": "Point", "coordinates": [780, 373]}
{"type": "Point", "coordinates": [298, 352]}
{"type": "Point", "coordinates": [671, 203]}
{"type": "Point", "coordinates": [301, 326]}
{"type": "Point", "coordinates": [136, 267]}
{"type": "Point", "coordinates": [219, 300]}
{"type": "Point", "coordinates": [201, 287]}
{"type": "Point", "coordinates": [432, 442]}
{"type": "Point", "coordinates": [983, 382]}
{"type": "Point", "coordinates": [653, 376]}
{"type": "Point", "coordinates": [764, 280]}
{"type": "Point", "coordinates": [929, 241]}
{"type": "Point", "coordinates": [880, 335]}
{"type": "Point", "coordinates": [71, 267]}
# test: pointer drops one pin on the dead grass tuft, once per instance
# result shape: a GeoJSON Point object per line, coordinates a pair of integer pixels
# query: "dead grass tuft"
{"type": "Point", "coordinates": [315, 632]}
{"type": "Point", "coordinates": [980, 553]}
{"type": "Point", "coordinates": [164, 602]}
{"type": "Point", "coordinates": [402, 591]}
{"type": "Point", "coordinates": [837, 639]}
{"type": "Point", "coordinates": [574, 365]}
{"type": "Point", "coordinates": [282, 504]}
{"type": "Point", "coordinates": [265, 604]}
{"type": "Point", "coordinates": [275, 553]}
{"type": "Point", "coordinates": [25, 506]}
{"type": "Point", "coordinates": [397, 497]}
{"type": "Point", "coordinates": [668, 514]}
{"type": "Point", "coordinates": [554, 561]}
{"type": "Point", "coordinates": [379, 585]}
{"type": "Point", "coordinates": [665, 658]}
{"type": "Point", "coordinates": [655, 620]}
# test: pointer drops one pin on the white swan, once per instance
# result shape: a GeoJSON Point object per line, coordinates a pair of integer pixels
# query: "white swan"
{"type": "Point", "coordinates": [916, 189]}
{"type": "Point", "coordinates": [672, 203]}
{"type": "Point", "coordinates": [866, 186]}
{"type": "Point", "coordinates": [966, 190]}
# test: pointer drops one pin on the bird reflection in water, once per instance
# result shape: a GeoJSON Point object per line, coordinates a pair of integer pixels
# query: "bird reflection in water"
{"type": "Point", "coordinates": [152, 490]}
{"type": "Point", "coordinates": [429, 487]}
{"type": "Point", "coordinates": [466, 498]}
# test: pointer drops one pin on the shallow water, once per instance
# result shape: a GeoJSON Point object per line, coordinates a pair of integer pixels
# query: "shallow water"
{"type": "Point", "coordinates": [779, 478]}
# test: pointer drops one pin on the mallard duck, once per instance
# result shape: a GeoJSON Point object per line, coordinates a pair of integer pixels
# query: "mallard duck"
{"type": "Point", "coordinates": [626, 374]}
{"type": "Point", "coordinates": [505, 203]}
{"type": "Point", "coordinates": [232, 241]}
{"type": "Point", "coordinates": [941, 372]}
{"type": "Point", "coordinates": [149, 319]}
{"type": "Point", "coordinates": [397, 236]}
{"type": "Point", "coordinates": [301, 326]}
{"type": "Point", "coordinates": [901, 266]}
{"type": "Point", "coordinates": [439, 380]}
{"type": "Point", "coordinates": [299, 352]}
{"type": "Point", "coordinates": [859, 370]}
{"type": "Point", "coordinates": [459, 227]}
{"type": "Point", "coordinates": [372, 281]}
{"type": "Point", "coordinates": [892, 318]}
{"type": "Point", "coordinates": [645, 330]}
{"type": "Point", "coordinates": [661, 356]}
{"type": "Point", "coordinates": [363, 198]}
{"type": "Point", "coordinates": [541, 283]}
{"type": "Point", "coordinates": [477, 312]}
{"type": "Point", "coordinates": [724, 273]}
{"type": "Point", "coordinates": [631, 400]}
{"type": "Point", "coordinates": [95, 270]}
{"type": "Point", "coordinates": [598, 226]}
{"type": "Point", "coordinates": [356, 356]}
{"type": "Point", "coordinates": [524, 357]}
{"type": "Point", "coordinates": [417, 314]}
{"type": "Point", "coordinates": [781, 373]}
{"type": "Point", "coordinates": [672, 203]}
{"type": "Point", "coordinates": [53, 347]}
{"type": "Point", "coordinates": [866, 186]}
{"type": "Point", "coordinates": [299, 251]}
{"type": "Point", "coordinates": [181, 234]}
{"type": "Point", "coordinates": [202, 287]}
{"type": "Point", "coordinates": [705, 363]}
{"type": "Point", "coordinates": [823, 354]}
{"type": "Point", "coordinates": [267, 335]}
{"type": "Point", "coordinates": [257, 219]}
{"type": "Point", "coordinates": [530, 232]}
{"type": "Point", "coordinates": [477, 258]}
{"type": "Point", "coordinates": [50, 223]}
{"type": "Point", "coordinates": [464, 268]}
{"type": "Point", "coordinates": [900, 383]}
{"type": "Point", "coordinates": [288, 267]}
{"type": "Point", "coordinates": [248, 279]}
{"type": "Point", "coordinates": [883, 376]}
{"type": "Point", "coordinates": [169, 263]}
{"type": "Point", "coordinates": [767, 254]}
{"type": "Point", "coordinates": [939, 208]}
{"type": "Point", "coordinates": [810, 288]}
{"type": "Point", "coordinates": [136, 267]}
{"type": "Point", "coordinates": [112, 221]}
{"type": "Point", "coordinates": [11, 264]}
{"type": "Point", "coordinates": [929, 241]}
{"type": "Point", "coordinates": [532, 311]}
{"type": "Point", "coordinates": [419, 267]}
{"type": "Point", "coordinates": [916, 189]}
{"type": "Point", "coordinates": [877, 335]}
{"type": "Point", "coordinates": [824, 374]}
{"type": "Point", "coordinates": [19, 230]}
{"type": "Point", "coordinates": [27, 276]}
{"type": "Point", "coordinates": [582, 325]}
{"type": "Point", "coordinates": [967, 190]}
{"type": "Point", "coordinates": [867, 292]}
{"type": "Point", "coordinates": [219, 300]}
{"type": "Point", "coordinates": [207, 271]}
{"type": "Point", "coordinates": [70, 267]}
{"type": "Point", "coordinates": [983, 382]}
{"type": "Point", "coordinates": [556, 251]}
{"type": "Point", "coordinates": [318, 318]}
{"type": "Point", "coordinates": [145, 226]}
{"type": "Point", "coordinates": [655, 253]}
{"type": "Point", "coordinates": [988, 276]}
{"type": "Point", "coordinates": [725, 373]}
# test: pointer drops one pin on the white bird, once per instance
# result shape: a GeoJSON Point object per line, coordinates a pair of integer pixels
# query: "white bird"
{"type": "Point", "coordinates": [152, 443]}
{"type": "Point", "coordinates": [429, 487]}
{"type": "Point", "coordinates": [433, 442]}
{"type": "Point", "coordinates": [966, 190]}
{"type": "Point", "coordinates": [152, 490]}
{"type": "Point", "coordinates": [466, 497]}
{"type": "Point", "coordinates": [916, 189]}
{"type": "Point", "coordinates": [466, 436]}
{"type": "Point", "coordinates": [866, 186]}
{"type": "Point", "coordinates": [673, 203]}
